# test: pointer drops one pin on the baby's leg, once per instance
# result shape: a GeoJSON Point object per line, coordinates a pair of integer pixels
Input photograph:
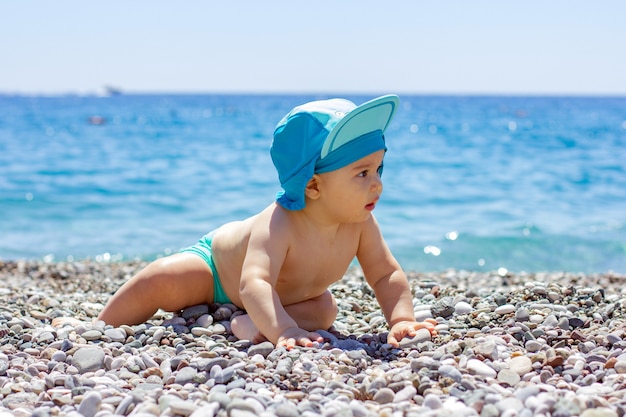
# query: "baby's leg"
{"type": "Point", "coordinates": [313, 314]}
{"type": "Point", "coordinates": [170, 283]}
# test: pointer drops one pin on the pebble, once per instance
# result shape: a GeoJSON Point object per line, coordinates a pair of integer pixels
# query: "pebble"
{"type": "Point", "coordinates": [462, 308]}
{"type": "Point", "coordinates": [522, 314]}
{"type": "Point", "coordinates": [181, 407]}
{"type": "Point", "coordinates": [91, 335]}
{"type": "Point", "coordinates": [620, 366]}
{"type": "Point", "coordinates": [194, 312]}
{"type": "Point", "coordinates": [486, 349]}
{"type": "Point", "coordinates": [449, 371]}
{"type": "Point", "coordinates": [421, 335]}
{"type": "Point", "coordinates": [90, 404]}
{"type": "Point", "coordinates": [599, 412]}
{"type": "Point", "coordinates": [185, 375]}
{"type": "Point", "coordinates": [549, 344]}
{"type": "Point", "coordinates": [480, 368]}
{"type": "Point", "coordinates": [521, 365]}
{"type": "Point", "coordinates": [505, 309]}
{"type": "Point", "coordinates": [443, 308]}
{"type": "Point", "coordinates": [508, 377]}
{"type": "Point", "coordinates": [384, 396]}
{"type": "Point", "coordinates": [405, 394]}
{"type": "Point", "coordinates": [533, 346]}
{"type": "Point", "coordinates": [116, 335]}
{"type": "Point", "coordinates": [88, 359]}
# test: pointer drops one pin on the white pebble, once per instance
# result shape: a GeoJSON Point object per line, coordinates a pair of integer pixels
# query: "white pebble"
{"type": "Point", "coordinates": [480, 368]}
{"type": "Point", "coordinates": [432, 401]}
{"type": "Point", "coordinates": [90, 404]}
{"type": "Point", "coordinates": [520, 365]}
{"type": "Point", "coordinates": [463, 308]}
{"type": "Point", "coordinates": [505, 309]}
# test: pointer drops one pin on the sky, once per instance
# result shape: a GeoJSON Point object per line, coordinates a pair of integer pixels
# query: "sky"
{"type": "Point", "coordinates": [551, 47]}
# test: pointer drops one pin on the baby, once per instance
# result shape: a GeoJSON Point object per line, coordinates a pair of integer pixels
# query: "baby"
{"type": "Point", "coordinates": [278, 264]}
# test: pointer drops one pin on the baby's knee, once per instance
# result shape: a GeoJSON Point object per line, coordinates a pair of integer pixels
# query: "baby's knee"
{"type": "Point", "coordinates": [155, 278]}
{"type": "Point", "coordinates": [328, 308]}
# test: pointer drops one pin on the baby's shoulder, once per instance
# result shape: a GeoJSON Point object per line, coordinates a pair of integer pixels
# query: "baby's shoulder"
{"type": "Point", "coordinates": [273, 223]}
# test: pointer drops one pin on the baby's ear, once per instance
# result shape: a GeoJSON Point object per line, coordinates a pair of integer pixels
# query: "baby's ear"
{"type": "Point", "coordinates": [312, 190]}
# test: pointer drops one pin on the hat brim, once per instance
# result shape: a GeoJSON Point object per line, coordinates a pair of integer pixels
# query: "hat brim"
{"type": "Point", "coordinates": [369, 117]}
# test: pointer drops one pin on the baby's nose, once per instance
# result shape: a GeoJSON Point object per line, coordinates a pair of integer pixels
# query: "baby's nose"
{"type": "Point", "coordinates": [377, 183]}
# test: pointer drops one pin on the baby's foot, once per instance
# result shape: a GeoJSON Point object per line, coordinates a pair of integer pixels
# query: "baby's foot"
{"type": "Point", "coordinates": [66, 321]}
{"type": "Point", "coordinates": [244, 329]}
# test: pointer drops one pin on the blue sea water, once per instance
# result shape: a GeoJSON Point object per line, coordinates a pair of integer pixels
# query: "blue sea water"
{"type": "Point", "coordinates": [477, 183]}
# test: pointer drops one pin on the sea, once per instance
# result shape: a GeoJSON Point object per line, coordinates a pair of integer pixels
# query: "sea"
{"type": "Point", "coordinates": [477, 183]}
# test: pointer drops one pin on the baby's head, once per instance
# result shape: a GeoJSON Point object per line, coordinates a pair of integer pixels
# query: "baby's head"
{"type": "Point", "coordinates": [325, 135]}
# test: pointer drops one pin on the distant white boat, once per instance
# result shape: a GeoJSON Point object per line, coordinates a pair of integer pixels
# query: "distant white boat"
{"type": "Point", "coordinates": [108, 91]}
{"type": "Point", "coordinates": [112, 91]}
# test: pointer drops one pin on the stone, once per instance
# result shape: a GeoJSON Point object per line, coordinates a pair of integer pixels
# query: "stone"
{"type": "Point", "coordinates": [183, 408]}
{"type": "Point", "coordinates": [480, 368]}
{"type": "Point", "coordinates": [508, 377]}
{"type": "Point", "coordinates": [263, 349]}
{"type": "Point", "coordinates": [90, 404]}
{"type": "Point", "coordinates": [88, 359]}
{"type": "Point", "coordinates": [185, 375]}
{"type": "Point", "coordinates": [505, 309]}
{"type": "Point", "coordinates": [599, 412]}
{"type": "Point", "coordinates": [17, 400]}
{"type": "Point", "coordinates": [442, 308]}
{"type": "Point", "coordinates": [91, 335]}
{"type": "Point", "coordinates": [421, 336]}
{"type": "Point", "coordinates": [405, 394]}
{"type": "Point", "coordinates": [205, 320]}
{"type": "Point", "coordinates": [239, 404]}
{"type": "Point", "coordinates": [432, 401]}
{"type": "Point", "coordinates": [287, 409]}
{"type": "Point", "coordinates": [510, 404]}
{"type": "Point", "coordinates": [208, 410]}
{"type": "Point", "coordinates": [522, 315]}
{"type": "Point", "coordinates": [463, 307]}
{"type": "Point", "coordinates": [486, 349]}
{"type": "Point", "coordinates": [521, 365]}
{"type": "Point", "coordinates": [205, 364]}
{"type": "Point", "coordinates": [116, 334]}
{"type": "Point", "coordinates": [576, 322]}
{"type": "Point", "coordinates": [384, 396]}
{"type": "Point", "coordinates": [533, 346]}
{"type": "Point", "coordinates": [194, 312]}
{"type": "Point", "coordinates": [449, 371]}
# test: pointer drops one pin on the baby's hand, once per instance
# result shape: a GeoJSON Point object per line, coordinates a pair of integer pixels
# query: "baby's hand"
{"type": "Point", "coordinates": [408, 328]}
{"type": "Point", "coordinates": [295, 336]}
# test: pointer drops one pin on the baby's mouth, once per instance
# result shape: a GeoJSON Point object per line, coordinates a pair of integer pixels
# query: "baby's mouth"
{"type": "Point", "coordinates": [371, 206]}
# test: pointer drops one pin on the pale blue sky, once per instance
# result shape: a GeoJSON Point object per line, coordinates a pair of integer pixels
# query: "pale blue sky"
{"type": "Point", "coordinates": [450, 47]}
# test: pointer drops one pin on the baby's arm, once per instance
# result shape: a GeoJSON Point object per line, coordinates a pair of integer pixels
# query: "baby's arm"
{"type": "Point", "coordinates": [268, 314]}
{"type": "Point", "coordinates": [390, 285]}
{"type": "Point", "coordinates": [257, 292]}
{"type": "Point", "coordinates": [395, 299]}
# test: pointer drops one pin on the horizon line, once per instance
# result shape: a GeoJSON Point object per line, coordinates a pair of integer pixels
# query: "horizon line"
{"type": "Point", "coordinates": [106, 93]}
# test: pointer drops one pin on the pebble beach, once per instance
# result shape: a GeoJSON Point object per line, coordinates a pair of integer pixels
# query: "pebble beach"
{"type": "Point", "coordinates": [508, 344]}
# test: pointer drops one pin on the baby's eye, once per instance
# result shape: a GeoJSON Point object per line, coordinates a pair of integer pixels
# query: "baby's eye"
{"type": "Point", "coordinates": [363, 174]}
{"type": "Point", "coordinates": [379, 171]}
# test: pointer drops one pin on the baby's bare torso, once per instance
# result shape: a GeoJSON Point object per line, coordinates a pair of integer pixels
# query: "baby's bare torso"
{"type": "Point", "coordinates": [311, 264]}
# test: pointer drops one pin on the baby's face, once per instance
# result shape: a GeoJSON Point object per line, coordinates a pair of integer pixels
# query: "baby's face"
{"type": "Point", "coordinates": [353, 191]}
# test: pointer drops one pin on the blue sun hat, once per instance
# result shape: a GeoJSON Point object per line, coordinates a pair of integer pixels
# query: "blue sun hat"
{"type": "Point", "coordinates": [325, 135]}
